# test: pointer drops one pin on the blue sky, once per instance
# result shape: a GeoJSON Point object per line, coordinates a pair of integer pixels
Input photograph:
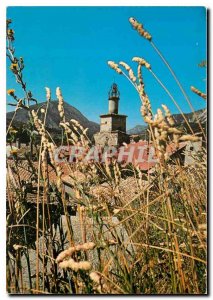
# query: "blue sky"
{"type": "Point", "coordinates": [70, 46]}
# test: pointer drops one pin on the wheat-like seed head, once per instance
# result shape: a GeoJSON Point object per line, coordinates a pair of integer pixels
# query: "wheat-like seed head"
{"type": "Point", "coordinates": [139, 27]}
{"type": "Point", "coordinates": [198, 92]}
{"type": "Point", "coordinates": [117, 172]}
{"type": "Point", "coordinates": [60, 102]}
{"type": "Point", "coordinates": [190, 138]}
{"type": "Point", "coordinates": [142, 62]}
{"type": "Point", "coordinates": [69, 252]}
{"type": "Point", "coordinates": [168, 114]}
{"type": "Point", "coordinates": [48, 94]}
{"type": "Point", "coordinates": [75, 266]}
{"type": "Point", "coordinates": [132, 76]}
{"type": "Point", "coordinates": [114, 66]}
{"type": "Point", "coordinates": [125, 65]}
{"type": "Point", "coordinates": [95, 277]}
{"type": "Point", "coordinates": [17, 247]}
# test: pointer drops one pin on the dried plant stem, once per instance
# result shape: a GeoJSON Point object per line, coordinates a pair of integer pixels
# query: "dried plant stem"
{"type": "Point", "coordinates": [9, 194]}
{"type": "Point", "coordinates": [44, 200]}
{"type": "Point", "coordinates": [134, 85]}
{"type": "Point", "coordinates": [37, 205]}
{"type": "Point", "coordinates": [176, 246]}
{"type": "Point", "coordinates": [113, 283]}
{"type": "Point", "coordinates": [11, 122]}
{"type": "Point", "coordinates": [147, 203]}
{"type": "Point", "coordinates": [174, 101]}
{"type": "Point", "coordinates": [68, 221]}
{"type": "Point", "coordinates": [170, 250]}
{"type": "Point", "coordinates": [82, 223]}
{"type": "Point", "coordinates": [37, 219]}
{"type": "Point", "coordinates": [146, 229]}
{"type": "Point", "coordinates": [40, 292]}
{"type": "Point", "coordinates": [26, 252]}
{"type": "Point", "coordinates": [179, 84]}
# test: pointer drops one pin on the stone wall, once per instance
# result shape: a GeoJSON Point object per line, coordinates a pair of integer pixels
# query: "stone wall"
{"type": "Point", "coordinates": [106, 124]}
{"type": "Point", "coordinates": [119, 123]}
{"type": "Point", "coordinates": [115, 138]}
{"type": "Point", "coordinates": [192, 149]}
{"type": "Point", "coordinates": [113, 122]}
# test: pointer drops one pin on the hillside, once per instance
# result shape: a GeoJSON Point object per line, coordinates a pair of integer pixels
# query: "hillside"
{"type": "Point", "coordinates": [137, 129]}
{"type": "Point", "coordinates": [202, 116]}
{"type": "Point", "coordinates": [53, 118]}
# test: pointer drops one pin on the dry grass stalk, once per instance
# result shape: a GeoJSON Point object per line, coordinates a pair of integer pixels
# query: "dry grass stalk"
{"type": "Point", "coordinates": [149, 235]}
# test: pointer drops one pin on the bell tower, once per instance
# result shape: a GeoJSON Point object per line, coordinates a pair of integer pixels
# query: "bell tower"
{"type": "Point", "coordinates": [114, 95]}
{"type": "Point", "coordinates": [112, 125]}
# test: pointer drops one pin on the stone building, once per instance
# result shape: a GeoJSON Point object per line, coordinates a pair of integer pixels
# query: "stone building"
{"type": "Point", "coordinates": [192, 150]}
{"type": "Point", "coordinates": [113, 125]}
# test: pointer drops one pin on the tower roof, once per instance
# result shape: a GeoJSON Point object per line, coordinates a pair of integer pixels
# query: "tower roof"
{"type": "Point", "coordinates": [114, 92]}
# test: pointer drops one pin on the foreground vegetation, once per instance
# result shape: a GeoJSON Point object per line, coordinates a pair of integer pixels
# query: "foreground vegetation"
{"type": "Point", "coordinates": [146, 238]}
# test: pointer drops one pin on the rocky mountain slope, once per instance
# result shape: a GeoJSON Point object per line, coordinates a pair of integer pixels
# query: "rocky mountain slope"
{"type": "Point", "coordinates": [191, 118]}
{"type": "Point", "coordinates": [53, 118]}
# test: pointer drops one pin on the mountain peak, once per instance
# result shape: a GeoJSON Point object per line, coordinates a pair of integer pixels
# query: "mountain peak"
{"type": "Point", "coordinates": [53, 119]}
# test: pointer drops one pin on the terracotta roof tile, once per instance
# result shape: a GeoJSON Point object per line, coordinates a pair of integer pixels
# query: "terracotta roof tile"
{"type": "Point", "coordinates": [144, 153]}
